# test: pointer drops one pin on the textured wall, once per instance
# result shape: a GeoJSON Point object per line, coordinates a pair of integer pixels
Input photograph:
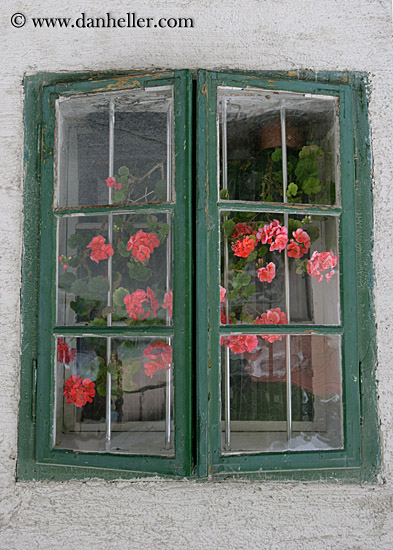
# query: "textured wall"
{"type": "Point", "coordinates": [265, 34]}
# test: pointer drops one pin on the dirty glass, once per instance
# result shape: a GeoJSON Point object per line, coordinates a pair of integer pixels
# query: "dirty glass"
{"type": "Point", "coordinates": [136, 373]}
{"type": "Point", "coordinates": [281, 393]}
{"type": "Point", "coordinates": [279, 263]}
{"type": "Point", "coordinates": [278, 147]}
{"type": "Point", "coordinates": [116, 267]}
{"type": "Point", "coordinates": [115, 148]}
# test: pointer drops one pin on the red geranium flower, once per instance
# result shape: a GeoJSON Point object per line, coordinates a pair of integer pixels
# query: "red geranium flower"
{"type": "Point", "coordinates": [267, 274]}
{"type": "Point", "coordinates": [322, 261]}
{"type": "Point", "coordinates": [244, 247]}
{"type": "Point", "coordinates": [272, 317]}
{"type": "Point", "coordinates": [160, 355]}
{"type": "Point", "coordinates": [240, 343]}
{"type": "Point", "coordinates": [275, 235]}
{"type": "Point", "coordinates": [64, 353]}
{"type": "Point", "coordinates": [142, 245]}
{"type": "Point", "coordinates": [300, 246]}
{"type": "Point", "coordinates": [241, 230]}
{"type": "Point", "coordinates": [111, 182]}
{"type": "Point", "coordinates": [133, 303]}
{"type": "Point", "coordinates": [99, 250]}
{"type": "Point", "coordinates": [168, 303]}
{"type": "Point", "coordinates": [78, 390]}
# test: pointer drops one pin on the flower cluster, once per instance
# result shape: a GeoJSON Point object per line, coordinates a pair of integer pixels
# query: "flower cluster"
{"type": "Point", "coordinates": [134, 301]}
{"type": "Point", "coordinates": [78, 391]}
{"type": "Point", "coordinates": [240, 343]}
{"type": "Point", "coordinates": [273, 234]}
{"type": "Point", "coordinates": [244, 247]}
{"type": "Point", "coordinates": [267, 274]}
{"type": "Point", "coordinates": [142, 245]}
{"type": "Point", "coordinates": [168, 303]}
{"type": "Point", "coordinates": [241, 230]}
{"type": "Point", "coordinates": [160, 355]}
{"type": "Point", "coordinates": [64, 353]}
{"type": "Point", "coordinates": [111, 182]}
{"type": "Point", "coordinates": [99, 250]}
{"type": "Point", "coordinates": [322, 261]}
{"type": "Point", "coordinates": [272, 317]}
{"type": "Point", "coordinates": [299, 245]}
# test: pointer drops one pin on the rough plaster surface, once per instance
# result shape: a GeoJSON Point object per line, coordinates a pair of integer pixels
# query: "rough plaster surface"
{"type": "Point", "coordinates": [265, 34]}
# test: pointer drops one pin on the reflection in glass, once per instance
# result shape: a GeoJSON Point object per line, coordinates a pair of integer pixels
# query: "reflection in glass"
{"type": "Point", "coordinates": [127, 279]}
{"type": "Point", "coordinates": [288, 267]}
{"type": "Point", "coordinates": [115, 148]}
{"type": "Point", "coordinates": [278, 401]}
{"type": "Point", "coordinates": [251, 155]}
{"type": "Point", "coordinates": [141, 404]}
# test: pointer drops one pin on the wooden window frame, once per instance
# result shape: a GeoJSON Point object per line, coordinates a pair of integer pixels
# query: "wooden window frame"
{"type": "Point", "coordinates": [198, 424]}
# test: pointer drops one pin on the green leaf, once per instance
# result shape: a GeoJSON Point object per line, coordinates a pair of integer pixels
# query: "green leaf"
{"type": "Point", "coordinates": [292, 226]}
{"type": "Point", "coordinates": [299, 270]}
{"type": "Point", "coordinates": [123, 171]}
{"type": "Point", "coordinates": [252, 256]}
{"type": "Point", "coordinates": [98, 322]}
{"type": "Point", "coordinates": [65, 280]}
{"type": "Point", "coordinates": [74, 261]}
{"type": "Point", "coordinates": [262, 251]}
{"type": "Point", "coordinates": [311, 186]}
{"type": "Point", "coordinates": [129, 369]}
{"type": "Point", "coordinates": [163, 232]}
{"type": "Point", "coordinates": [224, 195]}
{"type": "Point", "coordinates": [277, 154]}
{"type": "Point", "coordinates": [123, 180]}
{"type": "Point", "coordinates": [119, 196]}
{"type": "Point", "coordinates": [77, 241]}
{"type": "Point", "coordinates": [139, 272]}
{"type": "Point", "coordinates": [118, 297]}
{"type": "Point", "coordinates": [97, 287]}
{"type": "Point", "coordinates": [228, 228]}
{"type": "Point", "coordinates": [122, 249]}
{"type": "Point", "coordinates": [79, 288]}
{"type": "Point", "coordinates": [241, 279]}
{"type": "Point", "coordinates": [292, 190]}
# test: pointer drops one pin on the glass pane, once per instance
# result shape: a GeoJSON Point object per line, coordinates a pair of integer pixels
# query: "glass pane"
{"type": "Point", "coordinates": [255, 385]}
{"type": "Point", "coordinates": [115, 147]}
{"type": "Point", "coordinates": [141, 406]}
{"type": "Point", "coordinates": [261, 253]}
{"type": "Point", "coordinates": [122, 280]}
{"type": "Point", "coordinates": [250, 147]}
{"type": "Point", "coordinates": [316, 393]}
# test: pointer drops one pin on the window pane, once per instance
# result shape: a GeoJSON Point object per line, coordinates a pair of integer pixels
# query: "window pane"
{"type": "Point", "coordinates": [137, 418]}
{"type": "Point", "coordinates": [123, 280]}
{"type": "Point", "coordinates": [251, 156]}
{"type": "Point", "coordinates": [115, 148]}
{"type": "Point", "coordinates": [275, 265]}
{"type": "Point", "coordinates": [281, 393]}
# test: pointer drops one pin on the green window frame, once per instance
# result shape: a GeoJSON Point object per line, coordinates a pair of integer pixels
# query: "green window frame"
{"type": "Point", "coordinates": [196, 330]}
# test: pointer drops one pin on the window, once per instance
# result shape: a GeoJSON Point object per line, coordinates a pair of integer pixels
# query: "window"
{"type": "Point", "coordinates": [195, 307]}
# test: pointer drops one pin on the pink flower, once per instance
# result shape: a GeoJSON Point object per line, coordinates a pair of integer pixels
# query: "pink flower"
{"type": "Point", "coordinates": [275, 235]}
{"type": "Point", "coordinates": [134, 303]}
{"type": "Point", "coordinates": [154, 304]}
{"type": "Point", "coordinates": [168, 303]}
{"type": "Point", "coordinates": [142, 245]}
{"type": "Point", "coordinates": [244, 247]}
{"type": "Point", "coordinates": [111, 182]}
{"type": "Point", "coordinates": [241, 230]}
{"type": "Point", "coordinates": [99, 250]}
{"type": "Point", "coordinates": [160, 355]}
{"type": "Point", "coordinates": [222, 294]}
{"type": "Point", "coordinates": [322, 262]}
{"type": "Point", "coordinates": [64, 354]}
{"type": "Point", "coordinates": [267, 274]}
{"type": "Point", "coordinates": [272, 317]}
{"type": "Point", "coordinates": [240, 343]}
{"type": "Point", "coordinates": [300, 246]}
{"type": "Point", "coordinates": [78, 391]}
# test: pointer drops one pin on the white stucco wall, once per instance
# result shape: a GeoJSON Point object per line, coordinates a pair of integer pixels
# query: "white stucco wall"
{"type": "Point", "coordinates": [246, 34]}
